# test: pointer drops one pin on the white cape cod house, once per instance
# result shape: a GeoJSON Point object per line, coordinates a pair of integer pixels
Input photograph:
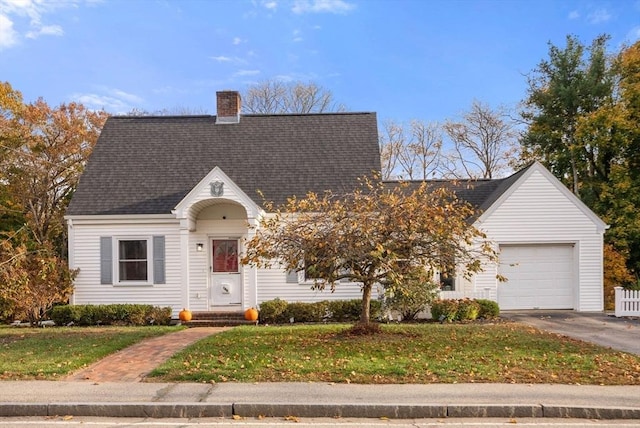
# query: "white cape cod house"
{"type": "Point", "coordinates": [163, 209]}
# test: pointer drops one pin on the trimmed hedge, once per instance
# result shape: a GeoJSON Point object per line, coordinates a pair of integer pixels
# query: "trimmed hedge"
{"type": "Point", "coordinates": [448, 310]}
{"type": "Point", "coordinates": [278, 311]}
{"type": "Point", "coordinates": [444, 310]}
{"type": "Point", "coordinates": [468, 310]}
{"type": "Point", "coordinates": [271, 311]}
{"type": "Point", "coordinates": [116, 314]}
{"type": "Point", "coordinates": [488, 309]}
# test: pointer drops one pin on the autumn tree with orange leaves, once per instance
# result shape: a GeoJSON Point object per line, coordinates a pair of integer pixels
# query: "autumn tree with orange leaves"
{"type": "Point", "coordinates": [583, 110]}
{"type": "Point", "coordinates": [43, 151]}
{"type": "Point", "coordinates": [376, 235]}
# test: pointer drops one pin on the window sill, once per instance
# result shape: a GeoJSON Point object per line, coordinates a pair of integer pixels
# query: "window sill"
{"type": "Point", "coordinates": [133, 284]}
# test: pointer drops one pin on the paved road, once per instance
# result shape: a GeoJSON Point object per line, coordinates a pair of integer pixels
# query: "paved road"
{"type": "Point", "coordinates": [312, 423]}
{"type": "Point", "coordinates": [305, 400]}
{"type": "Point", "coordinates": [596, 327]}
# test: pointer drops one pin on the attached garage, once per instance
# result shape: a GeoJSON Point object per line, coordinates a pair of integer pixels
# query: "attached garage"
{"type": "Point", "coordinates": [540, 276]}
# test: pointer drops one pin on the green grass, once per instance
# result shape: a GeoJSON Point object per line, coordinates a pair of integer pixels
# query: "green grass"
{"type": "Point", "coordinates": [51, 353]}
{"type": "Point", "coordinates": [420, 353]}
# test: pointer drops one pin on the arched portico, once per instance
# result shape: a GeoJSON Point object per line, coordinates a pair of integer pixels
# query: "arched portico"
{"type": "Point", "coordinates": [221, 229]}
{"type": "Point", "coordinates": [216, 219]}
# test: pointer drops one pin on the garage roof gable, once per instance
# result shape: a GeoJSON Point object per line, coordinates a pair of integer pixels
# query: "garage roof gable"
{"type": "Point", "coordinates": [512, 183]}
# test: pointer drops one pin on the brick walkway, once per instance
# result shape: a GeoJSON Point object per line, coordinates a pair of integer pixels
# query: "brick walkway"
{"type": "Point", "coordinates": [133, 363]}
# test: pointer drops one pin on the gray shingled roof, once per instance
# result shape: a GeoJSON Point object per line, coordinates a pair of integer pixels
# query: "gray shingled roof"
{"type": "Point", "coordinates": [480, 193]}
{"type": "Point", "coordinates": [146, 165]}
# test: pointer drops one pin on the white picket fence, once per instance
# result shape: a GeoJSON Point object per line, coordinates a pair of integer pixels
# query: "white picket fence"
{"type": "Point", "coordinates": [487, 293]}
{"type": "Point", "coordinates": [627, 302]}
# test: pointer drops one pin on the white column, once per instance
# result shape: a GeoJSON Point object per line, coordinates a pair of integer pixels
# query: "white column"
{"type": "Point", "coordinates": [252, 272]}
{"type": "Point", "coordinates": [184, 267]}
{"type": "Point", "coordinates": [71, 244]}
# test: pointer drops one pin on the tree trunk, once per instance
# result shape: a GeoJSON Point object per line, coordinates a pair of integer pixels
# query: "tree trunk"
{"type": "Point", "coordinates": [574, 170]}
{"type": "Point", "coordinates": [366, 303]}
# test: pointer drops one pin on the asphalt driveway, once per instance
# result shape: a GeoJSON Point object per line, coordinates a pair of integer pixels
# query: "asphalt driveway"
{"type": "Point", "coordinates": [600, 328]}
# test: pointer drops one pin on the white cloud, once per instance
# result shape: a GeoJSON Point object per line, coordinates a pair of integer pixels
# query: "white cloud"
{"type": "Point", "coordinates": [574, 14]}
{"type": "Point", "coordinates": [14, 12]}
{"type": "Point", "coordinates": [8, 36]}
{"type": "Point", "coordinates": [127, 96]}
{"type": "Point", "coordinates": [112, 100]}
{"type": "Point", "coordinates": [240, 73]}
{"type": "Point", "coordinates": [46, 30]}
{"type": "Point", "coordinates": [270, 4]}
{"type": "Point", "coordinates": [102, 102]}
{"type": "Point", "coordinates": [599, 16]}
{"type": "Point", "coordinates": [296, 77]}
{"type": "Point", "coordinates": [633, 35]}
{"type": "Point", "coordinates": [297, 36]}
{"type": "Point", "coordinates": [229, 59]}
{"type": "Point", "coordinates": [322, 6]}
{"type": "Point", "coordinates": [236, 40]}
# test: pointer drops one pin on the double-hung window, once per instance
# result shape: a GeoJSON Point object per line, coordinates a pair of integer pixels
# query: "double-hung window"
{"type": "Point", "coordinates": [448, 278]}
{"type": "Point", "coordinates": [132, 260]}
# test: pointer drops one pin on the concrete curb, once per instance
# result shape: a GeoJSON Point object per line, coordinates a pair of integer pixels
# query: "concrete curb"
{"type": "Point", "coordinates": [392, 411]}
{"type": "Point", "coordinates": [118, 410]}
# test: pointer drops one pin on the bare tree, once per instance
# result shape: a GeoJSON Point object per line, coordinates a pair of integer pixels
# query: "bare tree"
{"type": "Point", "coordinates": [175, 111]}
{"type": "Point", "coordinates": [484, 142]}
{"type": "Point", "coordinates": [275, 96]}
{"type": "Point", "coordinates": [426, 147]}
{"type": "Point", "coordinates": [410, 152]}
{"type": "Point", "coordinates": [265, 97]}
{"type": "Point", "coordinates": [392, 140]}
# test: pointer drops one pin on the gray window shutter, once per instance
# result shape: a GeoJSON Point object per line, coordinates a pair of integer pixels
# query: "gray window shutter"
{"type": "Point", "coordinates": [158, 260]}
{"type": "Point", "coordinates": [106, 260]}
{"type": "Point", "coordinates": [292, 277]}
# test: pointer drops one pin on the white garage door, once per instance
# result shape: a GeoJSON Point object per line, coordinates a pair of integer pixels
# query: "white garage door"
{"type": "Point", "coordinates": [539, 277]}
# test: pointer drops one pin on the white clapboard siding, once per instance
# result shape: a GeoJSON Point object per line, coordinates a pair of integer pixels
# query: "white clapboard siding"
{"type": "Point", "coordinates": [538, 212]}
{"type": "Point", "coordinates": [272, 284]}
{"type": "Point", "coordinates": [85, 256]}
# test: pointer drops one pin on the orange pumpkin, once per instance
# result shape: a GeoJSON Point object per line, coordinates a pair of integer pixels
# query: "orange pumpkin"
{"type": "Point", "coordinates": [185, 315]}
{"type": "Point", "coordinates": [251, 314]}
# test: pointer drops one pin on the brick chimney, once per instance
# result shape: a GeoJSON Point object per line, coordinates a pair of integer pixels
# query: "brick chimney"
{"type": "Point", "coordinates": [228, 103]}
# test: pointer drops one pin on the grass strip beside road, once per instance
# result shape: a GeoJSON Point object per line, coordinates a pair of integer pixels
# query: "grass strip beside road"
{"type": "Point", "coordinates": [405, 353]}
{"type": "Point", "coordinates": [52, 353]}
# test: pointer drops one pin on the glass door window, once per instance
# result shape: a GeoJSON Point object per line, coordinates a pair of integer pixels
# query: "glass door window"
{"type": "Point", "coordinates": [225, 255]}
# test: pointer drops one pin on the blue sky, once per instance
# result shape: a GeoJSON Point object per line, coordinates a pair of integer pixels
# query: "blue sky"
{"type": "Point", "coordinates": [423, 59]}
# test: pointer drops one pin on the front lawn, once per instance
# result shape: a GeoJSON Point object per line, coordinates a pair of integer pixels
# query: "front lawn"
{"type": "Point", "coordinates": [420, 353]}
{"type": "Point", "coordinates": [52, 353]}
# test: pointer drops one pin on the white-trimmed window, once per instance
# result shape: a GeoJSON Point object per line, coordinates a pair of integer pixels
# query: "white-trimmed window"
{"type": "Point", "coordinates": [303, 277]}
{"type": "Point", "coordinates": [132, 260]}
{"type": "Point", "coordinates": [298, 277]}
{"type": "Point", "coordinates": [448, 278]}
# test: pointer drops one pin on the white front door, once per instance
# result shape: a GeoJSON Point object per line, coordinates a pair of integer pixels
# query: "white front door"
{"type": "Point", "coordinates": [226, 280]}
